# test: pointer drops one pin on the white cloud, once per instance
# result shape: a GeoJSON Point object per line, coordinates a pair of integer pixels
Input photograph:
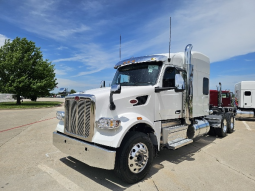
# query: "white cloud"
{"type": "Point", "coordinates": [219, 29]}
{"type": "Point", "coordinates": [228, 82]}
{"type": "Point", "coordinates": [45, 19]}
{"type": "Point", "coordinates": [93, 57]}
{"type": "Point", "coordinates": [248, 60]}
{"type": "Point", "coordinates": [60, 72]}
{"type": "Point", "coordinates": [77, 85]}
{"type": "Point", "coordinates": [2, 39]}
{"type": "Point", "coordinates": [62, 48]}
{"type": "Point", "coordinates": [63, 69]}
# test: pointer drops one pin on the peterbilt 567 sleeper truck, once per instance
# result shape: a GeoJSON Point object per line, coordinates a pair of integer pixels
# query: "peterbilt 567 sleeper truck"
{"type": "Point", "coordinates": [245, 95]}
{"type": "Point", "coordinates": [155, 102]}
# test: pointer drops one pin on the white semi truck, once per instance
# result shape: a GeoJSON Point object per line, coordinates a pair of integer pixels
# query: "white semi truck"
{"type": "Point", "coordinates": [155, 102]}
{"type": "Point", "coordinates": [245, 95]}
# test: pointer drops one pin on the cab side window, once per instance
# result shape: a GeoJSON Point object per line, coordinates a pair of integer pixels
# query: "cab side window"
{"type": "Point", "coordinates": [169, 77]}
{"type": "Point", "coordinates": [205, 86]}
{"type": "Point", "coordinates": [247, 93]}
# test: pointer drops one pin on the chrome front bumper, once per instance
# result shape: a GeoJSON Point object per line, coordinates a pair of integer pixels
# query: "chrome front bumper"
{"type": "Point", "coordinates": [90, 154]}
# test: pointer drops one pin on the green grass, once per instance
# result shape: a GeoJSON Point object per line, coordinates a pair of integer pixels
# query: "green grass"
{"type": "Point", "coordinates": [29, 104]}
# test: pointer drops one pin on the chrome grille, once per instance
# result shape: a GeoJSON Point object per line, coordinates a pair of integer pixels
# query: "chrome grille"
{"type": "Point", "coordinates": [79, 118]}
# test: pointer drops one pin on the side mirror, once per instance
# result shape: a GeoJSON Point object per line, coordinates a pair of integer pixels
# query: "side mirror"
{"type": "Point", "coordinates": [116, 89]}
{"type": "Point", "coordinates": [179, 82]}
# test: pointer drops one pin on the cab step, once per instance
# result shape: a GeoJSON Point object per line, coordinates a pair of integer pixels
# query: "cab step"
{"type": "Point", "coordinates": [177, 143]}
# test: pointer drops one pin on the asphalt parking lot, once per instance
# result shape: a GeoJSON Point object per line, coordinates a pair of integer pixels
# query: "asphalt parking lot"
{"type": "Point", "coordinates": [29, 161]}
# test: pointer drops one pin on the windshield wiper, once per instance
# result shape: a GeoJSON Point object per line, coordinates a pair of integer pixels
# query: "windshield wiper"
{"type": "Point", "coordinates": [147, 83]}
{"type": "Point", "coordinates": [126, 83]}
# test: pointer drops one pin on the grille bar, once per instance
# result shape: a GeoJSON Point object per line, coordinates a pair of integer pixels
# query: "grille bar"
{"type": "Point", "coordinates": [80, 118]}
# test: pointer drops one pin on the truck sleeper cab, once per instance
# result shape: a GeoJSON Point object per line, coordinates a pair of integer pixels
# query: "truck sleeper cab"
{"type": "Point", "coordinates": [155, 102]}
{"type": "Point", "coordinates": [245, 96]}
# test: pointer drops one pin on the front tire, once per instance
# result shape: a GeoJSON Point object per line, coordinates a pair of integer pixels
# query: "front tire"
{"type": "Point", "coordinates": [134, 157]}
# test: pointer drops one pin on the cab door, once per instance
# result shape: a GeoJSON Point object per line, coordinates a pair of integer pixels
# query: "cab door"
{"type": "Point", "coordinates": [169, 102]}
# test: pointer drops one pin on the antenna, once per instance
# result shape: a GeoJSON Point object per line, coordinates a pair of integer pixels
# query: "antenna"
{"type": "Point", "coordinates": [120, 48]}
{"type": "Point", "coordinates": [169, 59]}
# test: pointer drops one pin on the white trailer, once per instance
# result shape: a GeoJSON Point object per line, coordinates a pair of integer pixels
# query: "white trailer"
{"type": "Point", "coordinates": [155, 102]}
{"type": "Point", "coordinates": [245, 95]}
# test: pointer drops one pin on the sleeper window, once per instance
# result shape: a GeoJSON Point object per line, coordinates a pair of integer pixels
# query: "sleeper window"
{"type": "Point", "coordinates": [205, 86]}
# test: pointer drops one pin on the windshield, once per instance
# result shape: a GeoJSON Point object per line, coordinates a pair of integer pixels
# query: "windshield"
{"type": "Point", "coordinates": [225, 95]}
{"type": "Point", "coordinates": [142, 74]}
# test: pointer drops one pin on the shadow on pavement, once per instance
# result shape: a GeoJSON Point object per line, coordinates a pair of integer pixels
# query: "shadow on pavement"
{"type": "Point", "coordinates": [108, 179]}
{"type": "Point", "coordinates": [245, 119]}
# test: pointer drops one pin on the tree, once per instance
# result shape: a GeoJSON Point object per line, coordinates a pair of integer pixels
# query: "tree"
{"type": "Point", "coordinates": [23, 71]}
{"type": "Point", "coordinates": [72, 91]}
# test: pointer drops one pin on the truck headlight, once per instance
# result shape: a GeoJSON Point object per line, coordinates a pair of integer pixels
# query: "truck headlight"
{"type": "Point", "coordinates": [108, 123]}
{"type": "Point", "coordinates": [60, 115]}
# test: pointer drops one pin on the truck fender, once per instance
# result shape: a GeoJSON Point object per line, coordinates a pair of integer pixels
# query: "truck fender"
{"type": "Point", "coordinates": [113, 138]}
{"type": "Point", "coordinates": [60, 126]}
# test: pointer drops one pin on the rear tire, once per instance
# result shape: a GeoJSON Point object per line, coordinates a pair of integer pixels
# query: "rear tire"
{"type": "Point", "coordinates": [230, 123]}
{"type": "Point", "coordinates": [134, 157]}
{"type": "Point", "coordinates": [222, 131]}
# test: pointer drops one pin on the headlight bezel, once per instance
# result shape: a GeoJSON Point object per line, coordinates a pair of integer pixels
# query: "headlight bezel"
{"type": "Point", "coordinates": [60, 115]}
{"type": "Point", "coordinates": [108, 123]}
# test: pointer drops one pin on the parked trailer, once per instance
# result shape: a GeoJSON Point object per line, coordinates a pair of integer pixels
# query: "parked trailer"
{"type": "Point", "coordinates": [155, 102]}
{"type": "Point", "coordinates": [245, 95]}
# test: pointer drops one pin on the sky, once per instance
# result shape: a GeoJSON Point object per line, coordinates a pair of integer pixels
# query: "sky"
{"type": "Point", "coordinates": [81, 37]}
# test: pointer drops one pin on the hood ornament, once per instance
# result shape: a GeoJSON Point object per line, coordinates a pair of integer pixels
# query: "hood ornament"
{"type": "Point", "coordinates": [77, 98]}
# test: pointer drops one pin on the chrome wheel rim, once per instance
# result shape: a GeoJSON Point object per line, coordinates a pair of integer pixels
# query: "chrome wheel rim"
{"type": "Point", "coordinates": [232, 123]}
{"type": "Point", "coordinates": [138, 158]}
{"type": "Point", "coordinates": [232, 126]}
{"type": "Point", "coordinates": [224, 126]}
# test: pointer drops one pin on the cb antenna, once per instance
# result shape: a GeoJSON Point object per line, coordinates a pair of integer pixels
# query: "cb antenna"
{"type": "Point", "coordinates": [120, 48]}
{"type": "Point", "coordinates": [169, 59]}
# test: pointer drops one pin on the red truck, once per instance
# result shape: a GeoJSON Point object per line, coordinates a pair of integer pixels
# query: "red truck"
{"type": "Point", "coordinates": [226, 98]}
{"type": "Point", "coordinates": [221, 105]}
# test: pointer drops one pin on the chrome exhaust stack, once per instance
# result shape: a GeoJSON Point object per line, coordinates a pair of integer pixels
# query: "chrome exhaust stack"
{"type": "Point", "coordinates": [188, 106]}
{"type": "Point", "coordinates": [219, 95]}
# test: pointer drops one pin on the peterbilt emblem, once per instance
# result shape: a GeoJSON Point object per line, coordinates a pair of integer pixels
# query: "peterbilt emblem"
{"type": "Point", "coordinates": [77, 98]}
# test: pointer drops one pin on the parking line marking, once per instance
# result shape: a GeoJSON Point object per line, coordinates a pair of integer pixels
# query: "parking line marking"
{"type": "Point", "coordinates": [247, 126]}
{"type": "Point", "coordinates": [62, 180]}
{"type": "Point", "coordinates": [26, 124]}
{"type": "Point", "coordinates": [48, 154]}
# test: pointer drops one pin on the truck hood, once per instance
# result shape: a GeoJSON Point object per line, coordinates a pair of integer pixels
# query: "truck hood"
{"type": "Point", "coordinates": [98, 91]}
{"type": "Point", "coordinates": [122, 100]}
